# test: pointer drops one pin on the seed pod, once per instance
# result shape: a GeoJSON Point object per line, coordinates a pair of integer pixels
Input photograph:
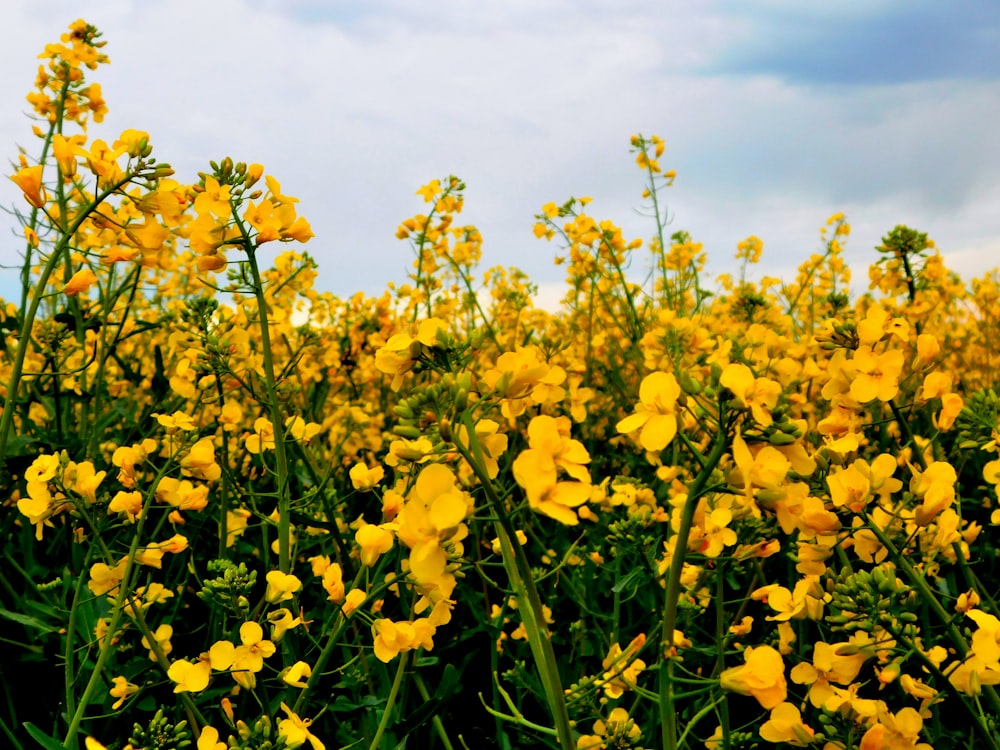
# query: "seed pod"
{"type": "Point", "coordinates": [407, 431]}
{"type": "Point", "coordinates": [780, 438]}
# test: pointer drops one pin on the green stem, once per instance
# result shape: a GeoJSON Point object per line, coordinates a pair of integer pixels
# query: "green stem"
{"type": "Point", "coordinates": [668, 717]}
{"type": "Point", "coordinates": [435, 719]}
{"type": "Point", "coordinates": [390, 702]}
{"type": "Point", "coordinates": [117, 610]}
{"type": "Point", "coordinates": [69, 671]}
{"type": "Point", "coordinates": [518, 569]}
{"type": "Point", "coordinates": [28, 320]}
{"type": "Point", "coordinates": [919, 582]}
{"type": "Point", "coordinates": [274, 407]}
{"type": "Point", "coordinates": [720, 651]}
{"type": "Point", "coordinates": [904, 428]}
{"type": "Point", "coordinates": [340, 623]}
{"type": "Point", "coordinates": [6, 731]}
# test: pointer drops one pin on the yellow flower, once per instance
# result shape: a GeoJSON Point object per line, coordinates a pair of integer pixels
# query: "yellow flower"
{"type": "Point", "coordinates": [830, 667]}
{"type": "Point", "coordinates": [523, 377]}
{"type": "Point", "coordinates": [805, 601]}
{"type": "Point", "coordinates": [200, 461]}
{"type": "Point", "coordinates": [104, 579]}
{"type": "Point", "coordinates": [762, 676]}
{"type": "Point", "coordinates": [29, 179]}
{"type": "Point", "coordinates": [655, 413]}
{"type": "Point", "coordinates": [296, 674]}
{"type": "Point", "coordinates": [181, 494]}
{"type": "Point", "coordinates": [281, 586]}
{"type": "Point", "coordinates": [353, 600]}
{"type": "Point", "coordinates": [765, 470]}
{"type": "Point", "coordinates": [333, 582]}
{"type": "Point", "coordinates": [209, 739]}
{"type": "Point", "coordinates": [364, 479]}
{"type": "Point", "coordinates": [236, 524]}
{"type": "Point", "coordinates": [43, 468]}
{"type": "Point", "coordinates": [991, 472]}
{"type": "Point", "coordinates": [148, 236]}
{"type": "Point", "coordinates": [162, 636]}
{"type": "Point", "coordinates": [191, 677]}
{"type": "Point", "coordinates": [785, 725]}
{"type": "Point", "coordinates": [121, 689]}
{"type": "Point", "coordinates": [622, 668]}
{"type": "Point", "coordinates": [81, 281]}
{"type": "Point", "coordinates": [263, 436]}
{"type": "Point", "coordinates": [295, 731]}
{"type": "Point", "coordinates": [176, 421]}
{"type": "Point", "coordinates": [376, 540]}
{"type": "Point", "coordinates": [935, 486]}
{"type": "Point", "coordinates": [951, 406]}
{"type": "Point", "coordinates": [899, 731]}
{"type": "Point", "coordinates": [391, 638]}
{"type": "Point", "coordinates": [83, 479]}
{"type": "Point", "coordinates": [492, 443]}
{"type": "Point", "coordinates": [877, 375]}
{"type": "Point", "coordinates": [281, 622]}
{"type": "Point", "coordinates": [618, 730]}
{"type": "Point", "coordinates": [760, 395]}
{"type": "Point", "coordinates": [152, 554]}
{"type": "Point", "coordinates": [928, 349]}
{"type": "Point", "coordinates": [301, 431]}
{"type": "Point", "coordinates": [129, 503]}
{"type": "Point", "coordinates": [535, 472]}
{"type": "Point", "coordinates": [401, 352]}
{"type": "Point", "coordinates": [248, 657]}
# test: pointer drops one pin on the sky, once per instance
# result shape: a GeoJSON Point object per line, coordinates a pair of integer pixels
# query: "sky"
{"type": "Point", "coordinates": [775, 116]}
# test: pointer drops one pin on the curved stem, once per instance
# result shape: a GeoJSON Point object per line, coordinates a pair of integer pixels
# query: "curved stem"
{"type": "Point", "coordinates": [117, 610]}
{"type": "Point", "coordinates": [390, 702]}
{"type": "Point", "coordinates": [530, 605]}
{"type": "Point", "coordinates": [27, 321]}
{"type": "Point", "coordinates": [668, 717]}
{"type": "Point", "coordinates": [277, 421]}
{"type": "Point", "coordinates": [919, 582]}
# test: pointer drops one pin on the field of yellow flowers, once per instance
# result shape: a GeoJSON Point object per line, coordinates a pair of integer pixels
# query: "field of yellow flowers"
{"type": "Point", "coordinates": [242, 513]}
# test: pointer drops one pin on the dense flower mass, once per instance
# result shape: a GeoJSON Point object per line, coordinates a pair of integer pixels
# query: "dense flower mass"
{"type": "Point", "coordinates": [244, 513]}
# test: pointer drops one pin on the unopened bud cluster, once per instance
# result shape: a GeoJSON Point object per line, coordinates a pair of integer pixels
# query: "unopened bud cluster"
{"type": "Point", "coordinates": [866, 600]}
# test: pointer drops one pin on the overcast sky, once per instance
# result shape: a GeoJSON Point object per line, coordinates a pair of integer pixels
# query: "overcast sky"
{"type": "Point", "coordinates": [775, 115]}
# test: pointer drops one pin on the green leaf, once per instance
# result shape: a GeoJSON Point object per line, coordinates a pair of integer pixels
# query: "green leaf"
{"type": "Point", "coordinates": [27, 621]}
{"type": "Point", "coordinates": [49, 743]}
{"type": "Point", "coordinates": [630, 581]}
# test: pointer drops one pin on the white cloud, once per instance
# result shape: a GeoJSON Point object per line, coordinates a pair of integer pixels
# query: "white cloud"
{"type": "Point", "coordinates": [352, 106]}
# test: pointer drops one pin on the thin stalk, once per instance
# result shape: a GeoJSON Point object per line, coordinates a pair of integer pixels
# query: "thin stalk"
{"type": "Point", "coordinates": [69, 671]}
{"type": "Point", "coordinates": [720, 656]}
{"type": "Point", "coordinates": [117, 610]}
{"type": "Point", "coordinates": [340, 623]}
{"type": "Point", "coordinates": [24, 335]}
{"type": "Point", "coordinates": [919, 582]}
{"type": "Point", "coordinates": [904, 428]}
{"type": "Point", "coordinates": [390, 702]}
{"type": "Point", "coordinates": [518, 569]}
{"type": "Point", "coordinates": [6, 731]}
{"type": "Point", "coordinates": [435, 719]}
{"type": "Point", "coordinates": [668, 717]}
{"type": "Point", "coordinates": [274, 407]}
